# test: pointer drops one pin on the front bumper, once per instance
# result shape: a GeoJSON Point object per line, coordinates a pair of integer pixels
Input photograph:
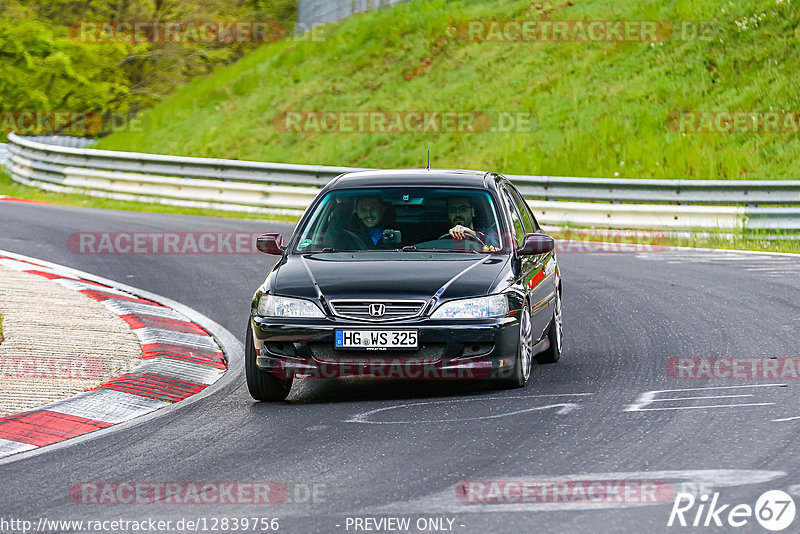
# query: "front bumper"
{"type": "Point", "coordinates": [476, 349]}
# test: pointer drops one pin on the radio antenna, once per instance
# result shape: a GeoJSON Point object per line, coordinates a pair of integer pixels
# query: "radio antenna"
{"type": "Point", "coordinates": [429, 160]}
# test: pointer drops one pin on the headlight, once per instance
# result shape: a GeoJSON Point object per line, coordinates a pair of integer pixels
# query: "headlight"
{"type": "Point", "coordinates": [274, 306]}
{"type": "Point", "coordinates": [491, 306]}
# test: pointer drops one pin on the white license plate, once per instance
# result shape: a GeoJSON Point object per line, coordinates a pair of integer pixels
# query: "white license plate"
{"type": "Point", "coordinates": [376, 339]}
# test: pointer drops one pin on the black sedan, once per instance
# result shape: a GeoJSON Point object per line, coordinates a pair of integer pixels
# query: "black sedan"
{"type": "Point", "coordinates": [407, 274]}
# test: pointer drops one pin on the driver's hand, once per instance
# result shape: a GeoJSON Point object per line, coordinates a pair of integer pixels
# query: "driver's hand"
{"type": "Point", "coordinates": [459, 232]}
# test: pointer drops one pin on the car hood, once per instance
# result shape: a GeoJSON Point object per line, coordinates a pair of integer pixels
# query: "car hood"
{"type": "Point", "coordinates": [388, 275]}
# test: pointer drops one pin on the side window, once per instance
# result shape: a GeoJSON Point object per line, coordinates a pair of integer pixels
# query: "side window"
{"type": "Point", "coordinates": [536, 227]}
{"type": "Point", "coordinates": [516, 218]}
{"type": "Point", "coordinates": [527, 218]}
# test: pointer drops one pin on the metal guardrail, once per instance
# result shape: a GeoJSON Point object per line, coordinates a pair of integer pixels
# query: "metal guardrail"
{"type": "Point", "coordinates": [65, 140]}
{"type": "Point", "coordinates": [249, 186]}
{"type": "Point", "coordinates": [233, 185]}
{"type": "Point", "coordinates": [737, 192]}
{"type": "Point", "coordinates": [311, 12]}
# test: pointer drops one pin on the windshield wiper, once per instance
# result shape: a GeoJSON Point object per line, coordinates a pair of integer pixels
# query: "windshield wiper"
{"type": "Point", "coordinates": [326, 250]}
{"type": "Point", "coordinates": [459, 251]}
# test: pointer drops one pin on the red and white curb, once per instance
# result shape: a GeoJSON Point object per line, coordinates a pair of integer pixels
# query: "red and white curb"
{"type": "Point", "coordinates": [179, 360]}
{"type": "Point", "coordinates": [4, 198]}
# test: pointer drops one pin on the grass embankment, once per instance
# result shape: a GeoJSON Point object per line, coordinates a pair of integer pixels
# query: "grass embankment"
{"type": "Point", "coordinates": [600, 108]}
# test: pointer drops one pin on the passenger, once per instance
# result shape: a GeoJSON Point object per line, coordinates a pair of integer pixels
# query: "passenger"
{"type": "Point", "coordinates": [368, 229]}
{"type": "Point", "coordinates": [370, 211]}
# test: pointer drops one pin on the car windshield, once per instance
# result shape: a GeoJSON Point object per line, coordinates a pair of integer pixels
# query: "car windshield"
{"type": "Point", "coordinates": [408, 219]}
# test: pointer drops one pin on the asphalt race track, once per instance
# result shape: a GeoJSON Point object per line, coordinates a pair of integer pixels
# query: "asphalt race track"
{"type": "Point", "coordinates": [398, 449]}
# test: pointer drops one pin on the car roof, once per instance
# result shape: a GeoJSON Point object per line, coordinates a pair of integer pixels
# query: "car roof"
{"type": "Point", "coordinates": [410, 177]}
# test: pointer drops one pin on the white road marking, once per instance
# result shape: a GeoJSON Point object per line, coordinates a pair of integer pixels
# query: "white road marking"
{"type": "Point", "coordinates": [695, 398]}
{"type": "Point", "coordinates": [362, 418]}
{"type": "Point", "coordinates": [765, 265]}
{"type": "Point", "coordinates": [564, 408]}
{"type": "Point", "coordinates": [701, 407]}
{"type": "Point", "coordinates": [649, 397]}
{"type": "Point", "coordinates": [785, 419]}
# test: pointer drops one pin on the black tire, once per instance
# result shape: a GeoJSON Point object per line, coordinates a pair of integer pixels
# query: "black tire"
{"type": "Point", "coordinates": [521, 372]}
{"type": "Point", "coordinates": [263, 385]}
{"type": "Point", "coordinates": [554, 334]}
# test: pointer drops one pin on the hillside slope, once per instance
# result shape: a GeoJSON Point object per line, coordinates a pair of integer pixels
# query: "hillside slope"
{"type": "Point", "coordinates": [597, 108]}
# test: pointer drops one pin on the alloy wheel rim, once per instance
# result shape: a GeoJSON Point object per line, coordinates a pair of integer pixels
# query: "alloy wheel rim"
{"type": "Point", "coordinates": [559, 321]}
{"type": "Point", "coordinates": [525, 349]}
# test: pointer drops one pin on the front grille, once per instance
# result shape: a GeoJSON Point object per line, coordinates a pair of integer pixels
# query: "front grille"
{"type": "Point", "coordinates": [426, 354]}
{"type": "Point", "coordinates": [393, 309]}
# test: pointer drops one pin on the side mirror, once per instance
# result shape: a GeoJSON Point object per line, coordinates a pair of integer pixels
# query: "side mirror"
{"type": "Point", "coordinates": [270, 243]}
{"type": "Point", "coordinates": [536, 244]}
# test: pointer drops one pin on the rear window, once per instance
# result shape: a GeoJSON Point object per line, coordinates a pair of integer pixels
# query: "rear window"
{"type": "Point", "coordinates": [403, 218]}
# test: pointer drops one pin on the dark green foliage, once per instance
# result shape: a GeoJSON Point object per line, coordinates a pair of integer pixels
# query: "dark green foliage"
{"type": "Point", "coordinates": [45, 66]}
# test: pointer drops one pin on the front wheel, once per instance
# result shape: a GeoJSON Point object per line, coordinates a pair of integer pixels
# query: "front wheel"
{"type": "Point", "coordinates": [263, 384]}
{"type": "Point", "coordinates": [554, 335]}
{"type": "Point", "coordinates": [522, 364]}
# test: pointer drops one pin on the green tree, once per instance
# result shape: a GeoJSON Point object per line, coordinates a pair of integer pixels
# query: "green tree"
{"type": "Point", "coordinates": [46, 66]}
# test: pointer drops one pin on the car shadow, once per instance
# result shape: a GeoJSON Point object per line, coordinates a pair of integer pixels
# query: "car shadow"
{"type": "Point", "coordinates": [352, 389]}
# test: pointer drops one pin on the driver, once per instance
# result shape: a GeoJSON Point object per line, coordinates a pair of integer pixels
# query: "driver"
{"type": "Point", "coordinates": [461, 214]}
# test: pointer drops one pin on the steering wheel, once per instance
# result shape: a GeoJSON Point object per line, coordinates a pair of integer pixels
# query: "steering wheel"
{"type": "Point", "coordinates": [359, 243]}
{"type": "Point", "coordinates": [467, 236]}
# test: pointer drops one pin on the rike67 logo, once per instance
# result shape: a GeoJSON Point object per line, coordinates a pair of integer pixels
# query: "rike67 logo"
{"type": "Point", "coordinates": [774, 510]}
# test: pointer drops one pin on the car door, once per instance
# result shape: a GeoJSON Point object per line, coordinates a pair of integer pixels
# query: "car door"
{"type": "Point", "coordinates": [525, 265]}
{"type": "Point", "coordinates": [538, 271]}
